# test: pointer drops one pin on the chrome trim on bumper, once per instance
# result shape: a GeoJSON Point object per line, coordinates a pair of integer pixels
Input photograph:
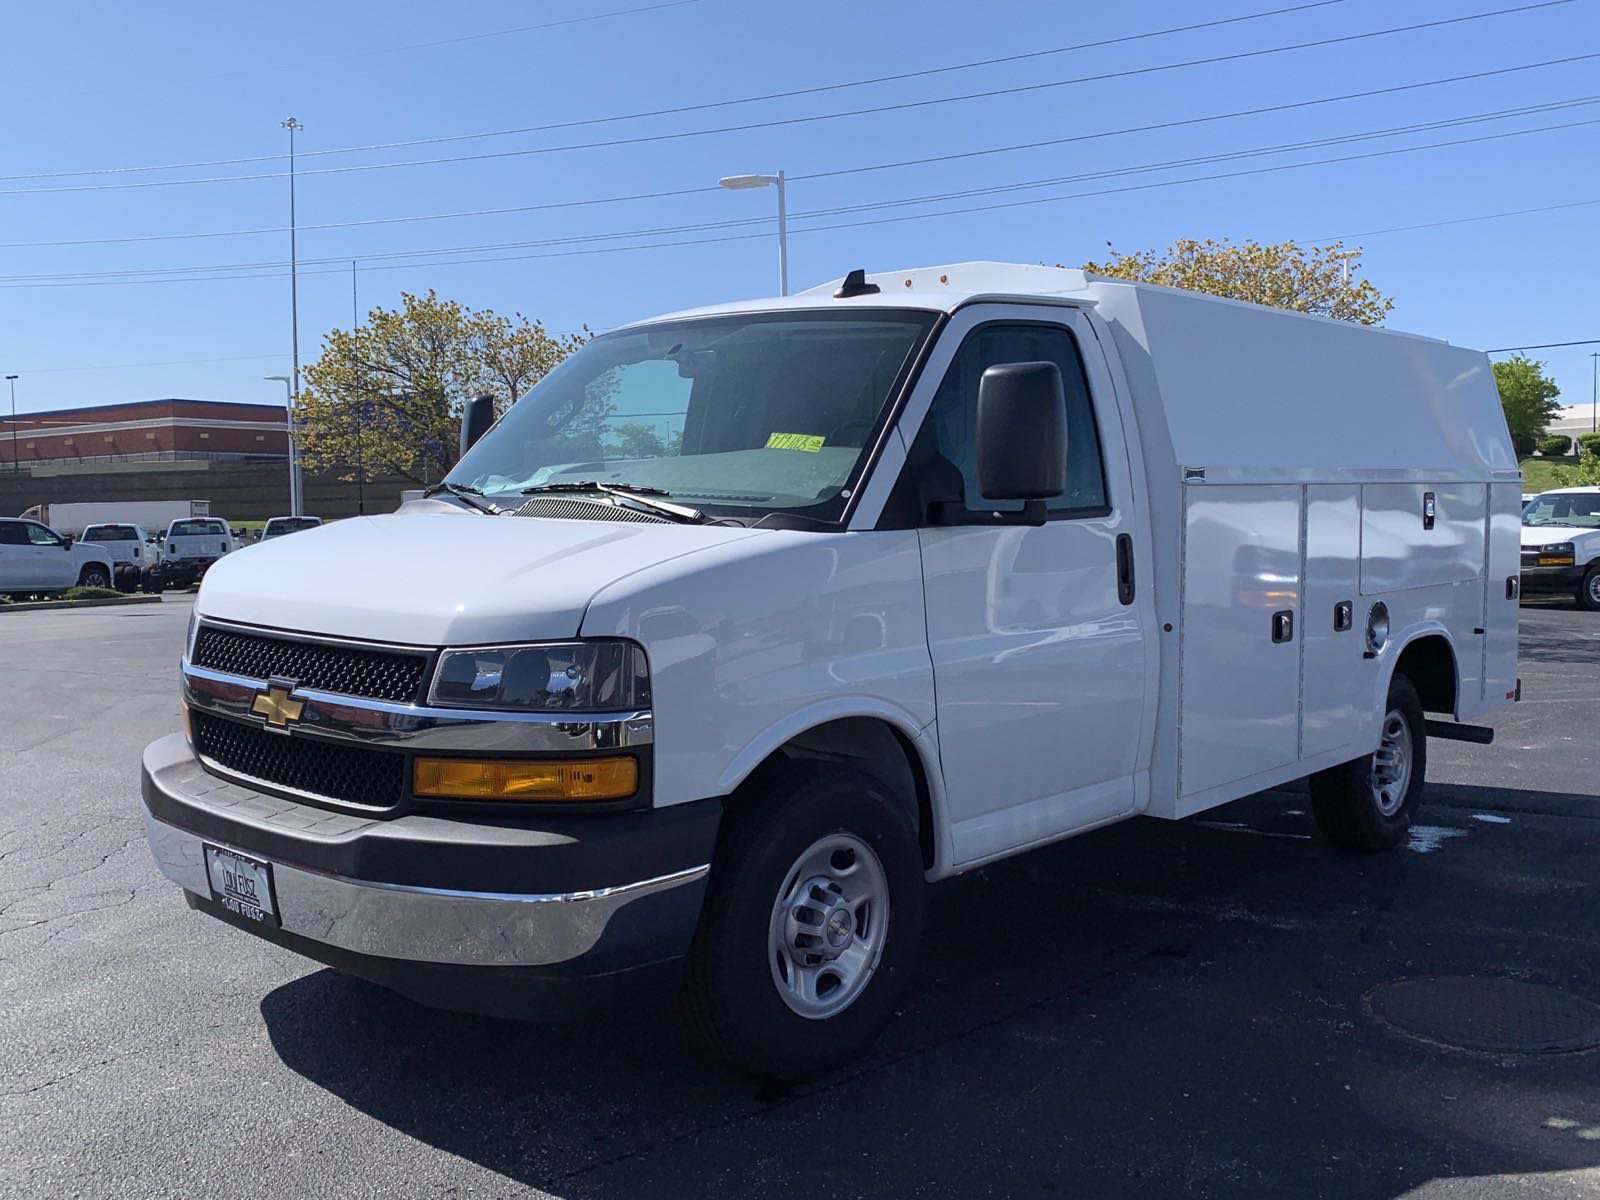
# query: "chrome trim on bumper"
{"type": "Point", "coordinates": [391, 724]}
{"type": "Point", "coordinates": [418, 924]}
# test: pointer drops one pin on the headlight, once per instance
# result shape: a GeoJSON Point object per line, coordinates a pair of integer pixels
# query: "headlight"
{"type": "Point", "coordinates": [596, 676]}
{"type": "Point", "coordinates": [1557, 554]}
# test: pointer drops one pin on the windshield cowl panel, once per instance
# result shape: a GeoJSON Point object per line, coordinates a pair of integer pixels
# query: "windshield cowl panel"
{"type": "Point", "coordinates": [741, 416]}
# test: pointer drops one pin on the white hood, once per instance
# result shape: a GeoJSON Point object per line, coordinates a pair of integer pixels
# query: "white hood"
{"type": "Point", "coordinates": [442, 578]}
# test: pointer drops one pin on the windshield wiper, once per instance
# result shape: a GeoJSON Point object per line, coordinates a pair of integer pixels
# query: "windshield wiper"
{"type": "Point", "coordinates": [639, 493]}
{"type": "Point", "coordinates": [465, 493]}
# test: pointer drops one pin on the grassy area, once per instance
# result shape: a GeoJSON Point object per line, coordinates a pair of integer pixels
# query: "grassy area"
{"type": "Point", "coordinates": [1538, 474]}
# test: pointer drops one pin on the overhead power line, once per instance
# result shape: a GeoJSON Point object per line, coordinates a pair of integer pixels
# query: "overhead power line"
{"type": "Point", "coordinates": [1545, 346]}
{"type": "Point", "coordinates": [801, 120]}
{"type": "Point", "coordinates": [832, 174]}
{"type": "Point", "coordinates": [1495, 216]}
{"type": "Point", "coordinates": [251, 271]}
{"type": "Point", "coordinates": [679, 110]}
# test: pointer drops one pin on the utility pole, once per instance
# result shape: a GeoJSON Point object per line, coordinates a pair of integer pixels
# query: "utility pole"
{"type": "Point", "coordinates": [361, 416]}
{"type": "Point", "coordinates": [296, 506]}
{"type": "Point", "coordinates": [16, 463]}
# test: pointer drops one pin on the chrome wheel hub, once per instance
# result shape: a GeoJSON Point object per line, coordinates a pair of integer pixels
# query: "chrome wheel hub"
{"type": "Point", "coordinates": [1391, 764]}
{"type": "Point", "coordinates": [829, 926]}
{"type": "Point", "coordinates": [1594, 587]}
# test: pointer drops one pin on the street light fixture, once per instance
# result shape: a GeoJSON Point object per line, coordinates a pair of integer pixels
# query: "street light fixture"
{"type": "Point", "coordinates": [294, 447]}
{"type": "Point", "coordinates": [16, 463]}
{"type": "Point", "coordinates": [739, 183]}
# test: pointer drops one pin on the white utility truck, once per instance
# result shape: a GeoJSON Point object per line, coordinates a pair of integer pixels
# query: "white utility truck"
{"type": "Point", "coordinates": [1561, 545]}
{"type": "Point", "coordinates": [746, 623]}
{"type": "Point", "coordinates": [75, 517]}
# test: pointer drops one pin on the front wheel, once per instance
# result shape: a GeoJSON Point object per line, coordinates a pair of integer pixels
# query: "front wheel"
{"type": "Point", "coordinates": [1368, 804]}
{"type": "Point", "coordinates": [811, 918]}
{"type": "Point", "coordinates": [1589, 589]}
{"type": "Point", "coordinates": [94, 576]}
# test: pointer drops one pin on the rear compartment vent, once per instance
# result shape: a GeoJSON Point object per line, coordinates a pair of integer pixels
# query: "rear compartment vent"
{"type": "Point", "coordinates": [585, 510]}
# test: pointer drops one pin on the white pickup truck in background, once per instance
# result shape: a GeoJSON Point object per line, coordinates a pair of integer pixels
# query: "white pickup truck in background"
{"type": "Point", "coordinates": [925, 569]}
{"type": "Point", "coordinates": [134, 552]}
{"type": "Point", "coordinates": [191, 545]}
{"type": "Point", "coordinates": [36, 560]}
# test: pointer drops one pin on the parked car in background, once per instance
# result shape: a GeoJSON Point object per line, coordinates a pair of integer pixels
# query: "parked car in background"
{"type": "Point", "coordinates": [1561, 545]}
{"type": "Point", "coordinates": [192, 545]}
{"type": "Point", "coordinates": [35, 559]}
{"type": "Point", "coordinates": [279, 526]}
{"type": "Point", "coordinates": [133, 552]}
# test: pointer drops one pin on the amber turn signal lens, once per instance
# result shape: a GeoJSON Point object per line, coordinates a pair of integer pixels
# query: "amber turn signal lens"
{"type": "Point", "coordinates": [509, 779]}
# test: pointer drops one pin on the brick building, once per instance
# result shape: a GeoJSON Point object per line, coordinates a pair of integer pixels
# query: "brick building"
{"type": "Point", "coordinates": [147, 431]}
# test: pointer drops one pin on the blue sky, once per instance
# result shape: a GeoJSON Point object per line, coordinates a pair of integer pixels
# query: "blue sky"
{"type": "Point", "coordinates": [114, 86]}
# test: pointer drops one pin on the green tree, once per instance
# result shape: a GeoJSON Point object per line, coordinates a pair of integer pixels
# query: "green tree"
{"type": "Point", "coordinates": [1311, 279]}
{"type": "Point", "coordinates": [1585, 474]}
{"type": "Point", "coordinates": [1528, 396]}
{"type": "Point", "coordinates": [387, 396]}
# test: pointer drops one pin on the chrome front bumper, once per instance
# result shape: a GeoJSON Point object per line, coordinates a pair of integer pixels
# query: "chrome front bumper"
{"type": "Point", "coordinates": [648, 918]}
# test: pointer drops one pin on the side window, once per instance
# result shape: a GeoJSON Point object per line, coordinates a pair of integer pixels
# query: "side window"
{"type": "Point", "coordinates": [12, 534]}
{"type": "Point", "coordinates": [955, 412]}
{"type": "Point", "coordinates": [40, 536]}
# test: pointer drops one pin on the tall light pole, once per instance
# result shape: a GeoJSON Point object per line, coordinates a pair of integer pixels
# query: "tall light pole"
{"type": "Point", "coordinates": [1594, 393]}
{"type": "Point", "coordinates": [16, 463]}
{"type": "Point", "coordinates": [294, 443]}
{"type": "Point", "coordinates": [739, 183]}
{"type": "Point", "coordinates": [355, 378]}
{"type": "Point", "coordinates": [293, 126]}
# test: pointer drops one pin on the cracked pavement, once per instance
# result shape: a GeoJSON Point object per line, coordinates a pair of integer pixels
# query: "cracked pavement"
{"type": "Point", "coordinates": [1154, 1009]}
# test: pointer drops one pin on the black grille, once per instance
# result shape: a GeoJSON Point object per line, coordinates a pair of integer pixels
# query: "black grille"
{"type": "Point", "coordinates": [352, 774]}
{"type": "Point", "coordinates": [584, 510]}
{"type": "Point", "coordinates": [347, 670]}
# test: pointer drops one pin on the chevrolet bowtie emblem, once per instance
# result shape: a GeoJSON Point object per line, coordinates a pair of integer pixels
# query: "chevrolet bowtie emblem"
{"type": "Point", "coordinates": [277, 707]}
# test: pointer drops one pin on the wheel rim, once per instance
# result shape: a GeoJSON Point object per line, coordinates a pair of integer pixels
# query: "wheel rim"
{"type": "Point", "coordinates": [94, 579]}
{"type": "Point", "coordinates": [829, 926]}
{"type": "Point", "coordinates": [1594, 589]}
{"type": "Point", "coordinates": [1391, 764]}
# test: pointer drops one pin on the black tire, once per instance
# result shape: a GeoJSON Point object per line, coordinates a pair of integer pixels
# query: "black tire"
{"type": "Point", "coordinates": [1589, 589]}
{"type": "Point", "coordinates": [1349, 807]}
{"type": "Point", "coordinates": [95, 576]}
{"type": "Point", "coordinates": [734, 999]}
{"type": "Point", "coordinates": [127, 577]}
{"type": "Point", "coordinates": [149, 581]}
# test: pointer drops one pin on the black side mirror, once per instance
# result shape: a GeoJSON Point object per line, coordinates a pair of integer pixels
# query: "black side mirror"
{"type": "Point", "coordinates": [476, 417]}
{"type": "Point", "coordinates": [1022, 432]}
{"type": "Point", "coordinates": [66, 541]}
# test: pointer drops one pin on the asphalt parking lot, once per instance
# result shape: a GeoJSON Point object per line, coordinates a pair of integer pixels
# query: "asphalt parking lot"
{"type": "Point", "coordinates": [1205, 1008]}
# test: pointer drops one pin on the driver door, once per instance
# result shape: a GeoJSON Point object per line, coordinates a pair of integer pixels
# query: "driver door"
{"type": "Point", "coordinates": [54, 563]}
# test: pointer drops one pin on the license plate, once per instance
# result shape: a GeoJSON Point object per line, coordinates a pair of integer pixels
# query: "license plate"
{"type": "Point", "coordinates": [242, 885]}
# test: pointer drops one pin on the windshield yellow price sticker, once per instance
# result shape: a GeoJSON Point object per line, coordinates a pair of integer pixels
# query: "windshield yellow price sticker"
{"type": "Point", "coordinates": [809, 442]}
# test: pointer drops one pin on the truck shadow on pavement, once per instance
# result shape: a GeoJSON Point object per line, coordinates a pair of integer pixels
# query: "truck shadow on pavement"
{"type": "Point", "coordinates": [1157, 1008]}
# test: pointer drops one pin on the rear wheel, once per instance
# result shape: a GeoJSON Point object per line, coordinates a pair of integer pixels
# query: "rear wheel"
{"type": "Point", "coordinates": [1368, 804]}
{"type": "Point", "coordinates": [812, 916]}
{"type": "Point", "coordinates": [1589, 589]}
{"type": "Point", "coordinates": [94, 576]}
{"type": "Point", "coordinates": [127, 576]}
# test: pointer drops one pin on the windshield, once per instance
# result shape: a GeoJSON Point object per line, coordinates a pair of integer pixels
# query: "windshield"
{"type": "Point", "coordinates": [195, 529]}
{"type": "Point", "coordinates": [110, 533]}
{"type": "Point", "coordinates": [1578, 509]}
{"type": "Point", "coordinates": [742, 415]}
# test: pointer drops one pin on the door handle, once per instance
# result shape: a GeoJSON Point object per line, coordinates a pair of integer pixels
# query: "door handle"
{"type": "Point", "coordinates": [1124, 569]}
{"type": "Point", "coordinates": [1283, 625]}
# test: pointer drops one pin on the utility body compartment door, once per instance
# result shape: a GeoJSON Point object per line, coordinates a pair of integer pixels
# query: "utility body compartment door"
{"type": "Point", "coordinates": [1501, 614]}
{"type": "Point", "coordinates": [1240, 671]}
{"type": "Point", "coordinates": [1039, 658]}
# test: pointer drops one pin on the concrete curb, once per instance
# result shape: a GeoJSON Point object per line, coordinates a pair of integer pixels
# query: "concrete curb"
{"type": "Point", "coordinates": [106, 602]}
